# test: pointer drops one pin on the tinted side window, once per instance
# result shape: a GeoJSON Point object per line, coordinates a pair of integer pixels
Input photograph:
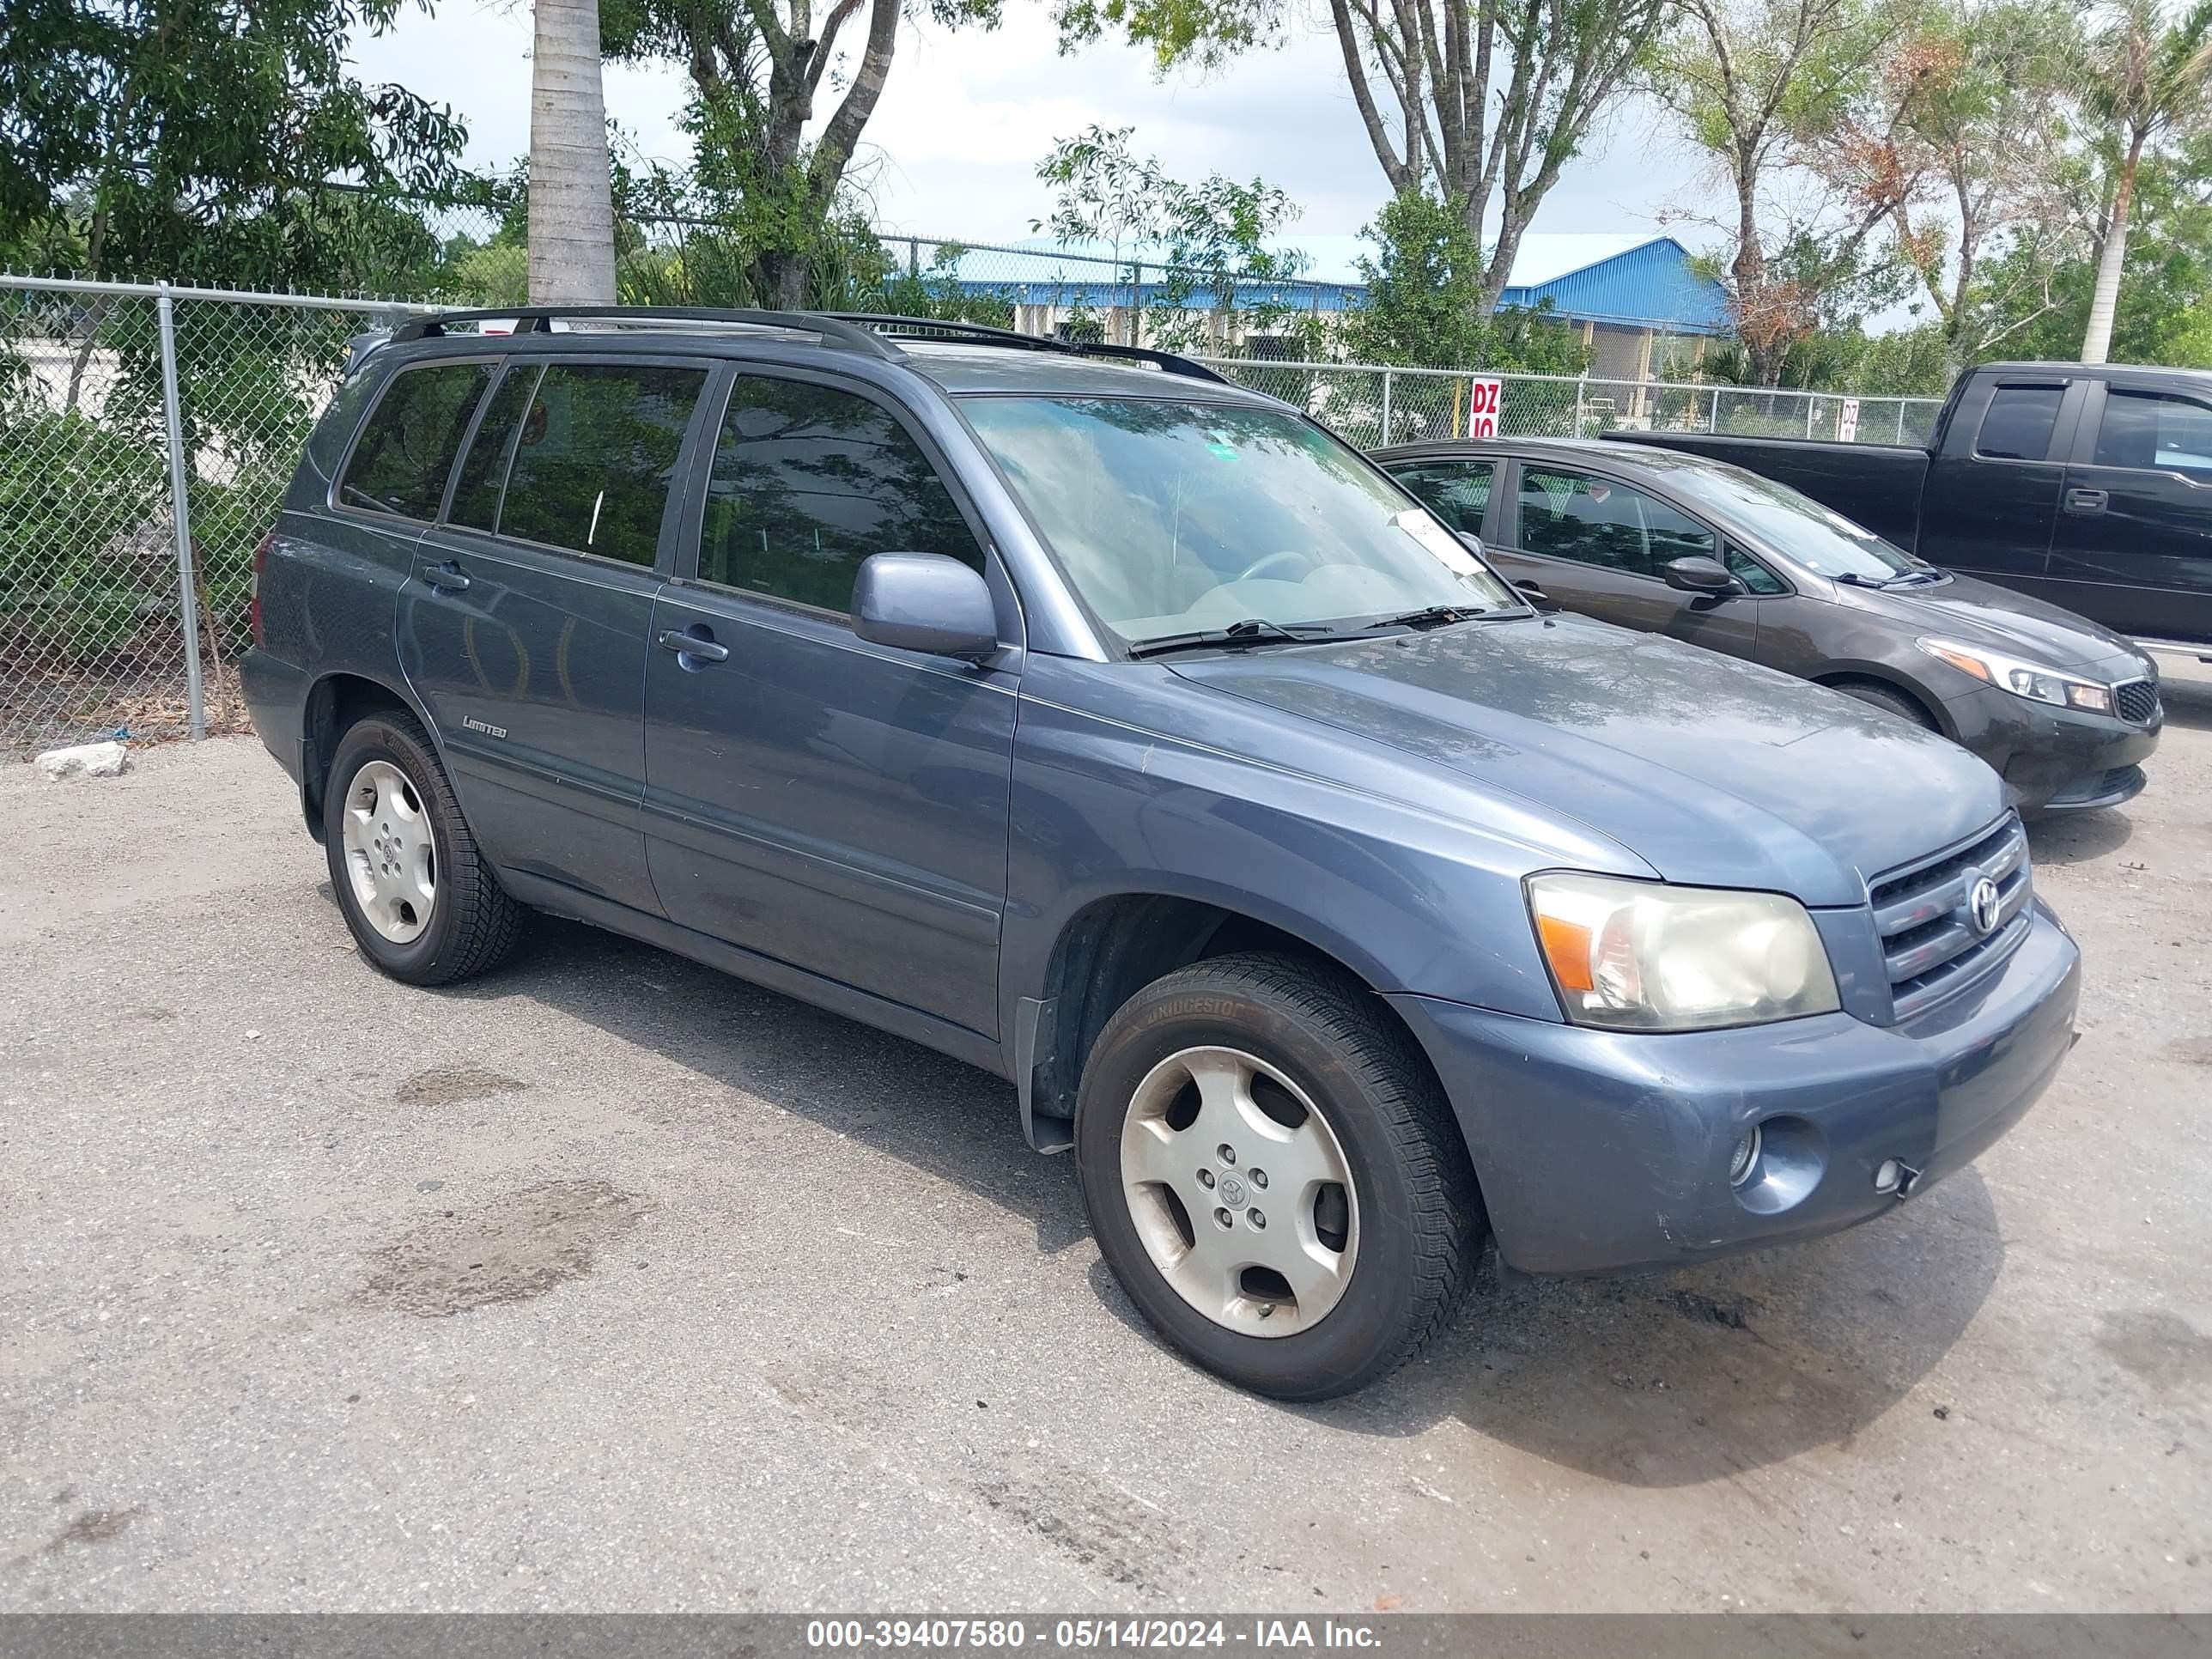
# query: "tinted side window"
{"type": "Point", "coordinates": [1571, 515]}
{"type": "Point", "coordinates": [2143, 430]}
{"type": "Point", "coordinates": [596, 457]}
{"type": "Point", "coordinates": [407, 448]}
{"type": "Point", "coordinates": [1458, 492]}
{"type": "Point", "coordinates": [808, 481]}
{"type": "Point", "coordinates": [483, 469]}
{"type": "Point", "coordinates": [2018, 425]}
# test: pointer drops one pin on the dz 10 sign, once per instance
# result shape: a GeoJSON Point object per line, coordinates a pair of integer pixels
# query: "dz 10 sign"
{"type": "Point", "coordinates": [1483, 393]}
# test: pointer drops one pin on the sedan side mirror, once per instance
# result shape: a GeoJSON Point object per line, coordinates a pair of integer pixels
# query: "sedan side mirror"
{"type": "Point", "coordinates": [1471, 541]}
{"type": "Point", "coordinates": [1700, 574]}
{"type": "Point", "coordinates": [924, 602]}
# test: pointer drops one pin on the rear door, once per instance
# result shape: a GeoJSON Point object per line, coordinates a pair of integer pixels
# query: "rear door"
{"type": "Point", "coordinates": [2134, 543]}
{"type": "Point", "coordinates": [1598, 545]}
{"type": "Point", "coordinates": [524, 628]}
{"type": "Point", "coordinates": [836, 804]}
{"type": "Point", "coordinates": [1990, 503]}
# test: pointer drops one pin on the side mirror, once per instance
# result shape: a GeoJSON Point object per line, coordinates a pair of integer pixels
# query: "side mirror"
{"type": "Point", "coordinates": [1700, 574]}
{"type": "Point", "coordinates": [924, 602]}
{"type": "Point", "coordinates": [1472, 542]}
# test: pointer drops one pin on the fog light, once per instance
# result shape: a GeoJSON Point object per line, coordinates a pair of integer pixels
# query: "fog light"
{"type": "Point", "coordinates": [1745, 1158]}
{"type": "Point", "coordinates": [1889, 1176]}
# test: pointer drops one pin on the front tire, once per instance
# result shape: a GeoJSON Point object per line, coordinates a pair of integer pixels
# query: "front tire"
{"type": "Point", "coordinates": [1273, 1176]}
{"type": "Point", "coordinates": [421, 903]}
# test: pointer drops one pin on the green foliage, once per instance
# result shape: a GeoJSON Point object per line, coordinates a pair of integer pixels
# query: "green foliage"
{"type": "Point", "coordinates": [1210, 270]}
{"type": "Point", "coordinates": [1423, 302]}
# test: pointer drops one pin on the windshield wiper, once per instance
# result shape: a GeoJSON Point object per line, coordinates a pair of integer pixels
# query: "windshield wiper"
{"type": "Point", "coordinates": [1902, 579]}
{"type": "Point", "coordinates": [1435, 615]}
{"type": "Point", "coordinates": [1252, 630]}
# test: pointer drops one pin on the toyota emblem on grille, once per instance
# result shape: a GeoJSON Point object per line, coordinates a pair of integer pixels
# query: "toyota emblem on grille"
{"type": "Point", "coordinates": [1982, 903]}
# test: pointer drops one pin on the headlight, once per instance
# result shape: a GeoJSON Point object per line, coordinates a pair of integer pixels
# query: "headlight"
{"type": "Point", "coordinates": [2023, 678]}
{"type": "Point", "coordinates": [1643, 957]}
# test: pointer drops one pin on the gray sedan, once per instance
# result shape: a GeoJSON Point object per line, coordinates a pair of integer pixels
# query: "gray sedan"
{"type": "Point", "coordinates": [2065, 710]}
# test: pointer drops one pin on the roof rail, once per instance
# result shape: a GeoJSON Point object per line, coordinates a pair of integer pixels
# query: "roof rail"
{"type": "Point", "coordinates": [982, 334]}
{"type": "Point", "coordinates": [539, 320]}
{"type": "Point", "coordinates": [934, 328]}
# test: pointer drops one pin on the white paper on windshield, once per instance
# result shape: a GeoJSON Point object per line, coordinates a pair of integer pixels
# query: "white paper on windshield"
{"type": "Point", "coordinates": [1439, 542]}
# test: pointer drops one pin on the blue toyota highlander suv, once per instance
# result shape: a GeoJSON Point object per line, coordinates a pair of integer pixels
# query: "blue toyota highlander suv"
{"type": "Point", "coordinates": [1123, 733]}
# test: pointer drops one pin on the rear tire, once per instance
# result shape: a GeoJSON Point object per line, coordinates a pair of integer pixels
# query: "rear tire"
{"type": "Point", "coordinates": [1881, 696]}
{"type": "Point", "coordinates": [1370, 1223]}
{"type": "Point", "coordinates": [421, 903]}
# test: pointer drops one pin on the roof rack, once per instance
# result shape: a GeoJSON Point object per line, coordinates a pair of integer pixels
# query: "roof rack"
{"type": "Point", "coordinates": [983, 334]}
{"type": "Point", "coordinates": [876, 333]}
{"type": "Point", "coordinates": [539, 320]}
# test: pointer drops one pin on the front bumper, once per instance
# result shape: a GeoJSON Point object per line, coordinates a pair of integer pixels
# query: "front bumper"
{"type": "Point", "coordinates": [2054, 760]}
{"type": "Point", "coordinates": [1602, 1152]}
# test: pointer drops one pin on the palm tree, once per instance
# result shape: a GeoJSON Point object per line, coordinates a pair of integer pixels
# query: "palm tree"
{"type": "Point", "coordinates": [572, 218]}
{"type": "Point", "coordinates": [2148, 77]}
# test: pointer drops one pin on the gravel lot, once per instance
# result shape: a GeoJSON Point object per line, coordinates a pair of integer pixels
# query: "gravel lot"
{"type": "Point", "coordinates": [612, 1282]}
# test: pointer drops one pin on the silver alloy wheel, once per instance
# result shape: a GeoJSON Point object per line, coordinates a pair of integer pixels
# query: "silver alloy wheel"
{"type": "Point", "coordinates": [390, 854]}
{"type": "Point", "coordinates": [1253, 1220]}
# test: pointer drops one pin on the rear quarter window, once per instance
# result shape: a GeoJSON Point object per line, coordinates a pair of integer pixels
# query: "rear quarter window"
{"type": "Point", "coordinates": [400, 463]}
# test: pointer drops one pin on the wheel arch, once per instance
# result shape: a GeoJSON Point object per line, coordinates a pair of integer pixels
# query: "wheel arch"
{"type": "Point", "coordinates": [336, 701]}
{"type": "Point", "coordinates": [1113, 946]}
{"type": "Point", "coordinates": [1889, 680]}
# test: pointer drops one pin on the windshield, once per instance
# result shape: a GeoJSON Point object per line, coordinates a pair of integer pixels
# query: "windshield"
{"type": "Point", "coordinates": [1177, 517]}
{"type": "Point", "coordinates": [1797, 527]}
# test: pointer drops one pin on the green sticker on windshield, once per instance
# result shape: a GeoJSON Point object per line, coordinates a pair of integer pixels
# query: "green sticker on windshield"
{"type": "Point", "coordinates": [1218, 445]}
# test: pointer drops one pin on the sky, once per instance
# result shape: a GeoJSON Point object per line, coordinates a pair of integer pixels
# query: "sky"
{"type": "Point", "coordinates": [953, 146]}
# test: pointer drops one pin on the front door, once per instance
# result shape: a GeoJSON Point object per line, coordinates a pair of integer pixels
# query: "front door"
{"type": "Point", "coordinates": [2134, 547]}
{"type": "Point", "coordinates": [835, 804]}
{"type": "Point", "coordinates": [1599, 546]}
{"type": "Point", "coordinates": [523, 627]}
{"type": "Point", "coordinates": [1991, 497]}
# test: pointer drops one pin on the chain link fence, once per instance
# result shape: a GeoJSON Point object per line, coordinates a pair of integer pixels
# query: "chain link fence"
{"type": "Point", "coordinates": [1372, 406]}
{"type": "Point", "coordinates": [146, 436]}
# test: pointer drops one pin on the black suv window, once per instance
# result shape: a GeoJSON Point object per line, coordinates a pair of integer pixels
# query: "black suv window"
{"type": "Point", "coordinates": [1458, 492]}
{"type": "Point", "coordinates": [483, 469]}
{"type": "Point", "coordinates": [2018, 425]}
{"type": "Point", "coordinates": [596, 457]}
{"type": "Point", "coordinates": [2143, 429]}
{"type": "Point", "coordinates": [1572, 515]}
{"type": "Point", "coordinates": [400, 464]}
{"type": "Point", "coordinates": [808, 481]}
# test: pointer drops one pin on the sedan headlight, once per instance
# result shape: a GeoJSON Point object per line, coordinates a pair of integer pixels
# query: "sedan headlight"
{"type": "Point", "coordinates": [2023, 678]}
{"type": "Point", "coordinates": [1644, 956]}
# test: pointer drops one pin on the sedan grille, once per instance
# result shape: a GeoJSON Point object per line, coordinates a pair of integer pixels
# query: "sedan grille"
{"type": "Point", "coordinates": [2136, 702]}
{"type": "Point", "coordinates": [1932, 941]}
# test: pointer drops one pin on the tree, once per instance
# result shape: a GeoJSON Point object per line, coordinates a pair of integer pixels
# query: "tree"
{"type": "Point", "coordinates": [1957, 138]}
{"type": "Point", "coordinates": [1211, 241]}
{"type": "Point", "coordinates": [1424, 303]}
{"type": "Point", "coordinates": [757, 68]}
{"type": "Point", "coordinates": [1479, 103]}
{"type": "Point", "coordinates": [572, 221]}
{"type": "Point", "coordinates": [2148, 80]}
{"type": "Point", "coordinates": [221, 144]}
{"type": "Point", "coordinates": [1757, 83]}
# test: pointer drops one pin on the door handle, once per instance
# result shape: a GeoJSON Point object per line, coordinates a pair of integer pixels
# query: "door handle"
{"type": "Point", "coordinates": [2086, 501]}
{"type": "Point", "coordinates": [448, 577]}
{"type": "Point", "coordinates": [694, 645]}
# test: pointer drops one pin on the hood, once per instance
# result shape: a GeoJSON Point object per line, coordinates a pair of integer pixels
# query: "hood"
{"type": "Point", "coordinates": [1981, 613]}
{"type": "Point", "coordinates": [1715, 772]}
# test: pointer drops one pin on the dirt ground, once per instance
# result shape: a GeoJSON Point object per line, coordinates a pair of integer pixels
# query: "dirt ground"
{"type": "Point", "coordinates": [611, 1283]}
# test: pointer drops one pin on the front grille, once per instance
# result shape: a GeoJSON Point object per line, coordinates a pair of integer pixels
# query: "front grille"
{"type": "Point", "coordinates": [1931, 943]}
{"type": "Point", "coordinates": [2137, 701]}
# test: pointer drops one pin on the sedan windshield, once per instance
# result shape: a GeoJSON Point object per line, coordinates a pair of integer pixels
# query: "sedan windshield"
{"type": "Point", "coordinates": [1799, 528]}
{"type": "Point", "coordinates": [1175, 519]}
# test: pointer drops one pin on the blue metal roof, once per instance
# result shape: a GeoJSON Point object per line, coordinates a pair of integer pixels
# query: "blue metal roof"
{"type": "Point", "coordinates": [1649, 283]}
{"type": "Point", "coordinates": [1653, 285]}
